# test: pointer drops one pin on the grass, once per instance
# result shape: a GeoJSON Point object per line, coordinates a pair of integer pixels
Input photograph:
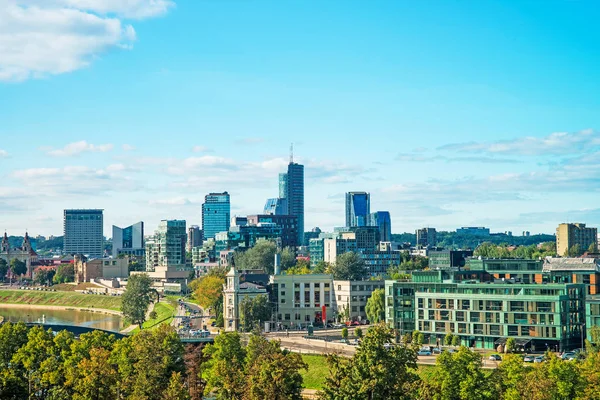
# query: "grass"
{"type": "Point", "coordinates": [69, 287]}
{"type": "Point", "coordinates": [64, 299]}
{"type": "Point", "coordinates": [317, 371]}
{"type": "Point", "coordinates": [164, 315]}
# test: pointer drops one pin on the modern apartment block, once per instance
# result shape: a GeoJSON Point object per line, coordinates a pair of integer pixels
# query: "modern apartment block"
{"type": "Point", "coordinates": [449, 258]}
{"type": "Point", "coordinates": [576, 234]}
{"type": "Point", "coordinates": [165, 251]}
{"type": "Point", "coordinates": [83, 232]}
{"type": "Point", "coordinates": [294, 186]}
{"type": "Point", "coordinates": [216, 214]}
{"type": "Point", "coordinates": [383, 221]}
{"type": "Point", "coordinates": [128, 241]}
{"type": "Point", "coordinates": [358, 208]}
{"type": "Point", "coordinates": [484, 315]}
{"type": "Point", "coordinates": [426, 237]}
{"type": "Point", "coordinates": [195, 237]}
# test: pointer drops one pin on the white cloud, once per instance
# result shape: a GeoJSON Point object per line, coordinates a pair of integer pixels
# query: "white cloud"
{"type": "Point", "coordinates": [3, 153]}
{"type": "Point", "coordinates": [200, 149]}
{"type": "Point", "coordinates": [558, 143]}
{"type": "Point", "coordinates": [77, 148]}
{"type": "Point", "coordinates": [48, 37]}
{"type": "Point", "coordinates": [128, 147]}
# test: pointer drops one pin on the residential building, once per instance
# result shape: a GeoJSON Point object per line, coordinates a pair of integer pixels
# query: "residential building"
{"type": "Point", "coordinates": [86, 270]}
{"type": "Point", "coordinates": [216, 212]}
{"type": "Point", "coordinates": [234, 292]}
{"type": "Point", "coordinates": [473, 231]}
{"type": "Point", "coordinates": [383, 221]}
{"type": "Point", "coordinates": [314, 233]}
{"type": "Point", "coordinates": [287, 223]}
{"type": "Point", "coordinates": [426, 237]}
{"type": "Point", "coordinates": [358, 208]}
{"type": "Point", "coordinates": [25, 253]}
{"type": "Point", "coordinates": [128, 241]}
{"type": "Point", "coordinates": [449, 258]}
{"type": "Point", "coordinates": [377, 262]}
{"type": "Point", "coordinates": [83, 232]}
{"type": "Point", "coordinates": [575, 270]}
{"type": "Point", "coordinates": [165, 251]}
{"type": "Point", "coordinates": [570, 235]}
{"type": "Point", "coordinates": [245, 237]}
{"type": "Point", "coordinates": [295, 195]}
{"type": "Point", "coordinates": [276, 206]}
{"type": "Point", "coordinates": [195, 237]}
{"type": "Point", "coordinates": [350, 298]}
{"type": "Point", "coordinates": [316, 251]}
{"type": "Point", "coordinates": [333, 247]}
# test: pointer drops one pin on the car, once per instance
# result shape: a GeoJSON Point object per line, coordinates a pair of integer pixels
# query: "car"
{"type": "Point", "coordinates": [569, 356]}
{"type": "Point", "coordinates": [528, 359]}
{"type": "Point", "coordinates": [423, 352]}
{"type": "Point", "coordinates": [539, 359]}
{"type": "Point", "coordinates": [437, 350]}
{"type": "Point", "coordinates": [451, 351]}
{"type": "Point", "coordinates": [495, 357]}
{"type": "Point", "coordinates": [338, 326]}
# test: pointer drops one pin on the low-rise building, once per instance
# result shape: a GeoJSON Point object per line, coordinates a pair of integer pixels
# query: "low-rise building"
{"type": "Point", "coordinates": [234, 292]}
{"type": "Point", "coordinates": [350, 298]}
{"type": "Point", "coordinates": [444, 259]}
{"type": "Point", "coordinates": [86, 270]}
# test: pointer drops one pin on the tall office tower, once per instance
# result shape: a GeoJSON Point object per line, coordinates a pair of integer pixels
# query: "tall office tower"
{"type": "Point", "coordinates": [129, 241]}
{"type": "Point", "coordinates": [358, 208]}
{"type": "Point", "coordinates": [195, 237]}
{"type": "Point", "coordinates": [83, 233]}
{"type": "Point", "coordinates": [282, 186]}
{"type": "Point", "coordinates": [276, 207]}
{"type": "Point", "coordinates": [216, 212]}
{"type": "Point", "coordinates": [383, 221]}
{"type": "Point", "coordinates": [166, 248]}
{"type": "Point", "coordinates": [295, 195]}
{"type": "Point", "coordinates": [576, 234]}
{"type": "Point", "coordinates": [426, 237]}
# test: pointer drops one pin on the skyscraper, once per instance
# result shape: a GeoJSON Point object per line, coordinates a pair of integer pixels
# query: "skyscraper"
{"type": "Point", "coordinates": [276, 206]}
{"type": "Point", "coordinates": [128, 240]}
{"type": "Point", "coordinates": [166, 248]}
{"type": "Point", "coordinates": [83, 233]}
{"type": "Point", "coordinates": [383, 221]}
{"type": "Point", "coordinates": [295, 195]}
{"type": "Point", "coordinates": [358, 208]}
{"type": "Point", "coordinates": [195, 237]}
{"type": "Point", "coordinates": [216, 212]}
{"type": "Point", "coordinates": [282, 186]}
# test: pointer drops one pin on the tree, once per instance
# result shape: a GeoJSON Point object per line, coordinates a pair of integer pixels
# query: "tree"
{"type": "Point", "coordinates": [345, 334]}
{"type": "Point", "coordinates": [375, 307]}
{"type": "Point", "coordinates": [96, 377]}
{"type": "Point", "coordinates": [321, 267]}
{"type": "Point", "coordinates": [574, 251]}
{"type": "Point", "coordinates": [3, 269]}
{"type": "Point", "coordinates": [349, 266]}
{"type": "Point", "coordinates": [209, 291]}
{"type": "Point", "coordinates": [261, 256]}
{"type": "Point", "coordinates": [64, 273]}
{"type": "Point", "coordinates": [418, 338]}
{"type": "Point", "coordinates": [448, 339]}
{"type": "Point", "coordinates": [43, 276]}
{"type": "Point", "coordinates": [299, 270]}
{"type": "Point", "coordinates": [254, 311]}
{"type": "Point", "coordinates": [375, 372]}
{"type": "Point", "coordinates": [455, 340]}
{"type": "Point", "coordinates": [17, 268]}
{"type": "Point", "coordinates": [176, 389]}
{"type": "Point", "coordinates": [224, 370]}
{"type": "Point", "coordinates": [194, 357]}
{"type": "Point", "coordinates": [136, 299]}
{"type": "Point", "coordinates": [510, 346]}
{"type": "Point", "coordinates": [288, 258]}
{"type": "Point", "coordinates": [358, 332]}
{"type": "Point", "coordinates": [593, 248]}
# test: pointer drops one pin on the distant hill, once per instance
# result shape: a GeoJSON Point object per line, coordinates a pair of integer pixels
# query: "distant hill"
{"type": "Point", "coordinates": [452, 240]}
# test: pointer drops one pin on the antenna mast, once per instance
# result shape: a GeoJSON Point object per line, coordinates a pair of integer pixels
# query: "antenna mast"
{"type": "Point", "coordinates": [292, 153]}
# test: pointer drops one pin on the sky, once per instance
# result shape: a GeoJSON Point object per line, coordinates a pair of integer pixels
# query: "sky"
{"type": "Point", "coordinates": [450, 113]}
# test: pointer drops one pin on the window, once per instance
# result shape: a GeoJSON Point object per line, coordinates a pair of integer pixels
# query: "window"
{"type": "Point", "coordinates": [327, 285]}
{"type": "Point", "coordinates": [362, 308]}
{"type": "Point", "coordinates": [339, 287]}
{"type": "Point", "coordinates": [283, 285]}
{"type": "Point", "coordinates": [287, 317]}
{"type": "Point", "coordinates": [307, 318]}
{"type": "Point", "coordinates": [283, 293]}
{"type": "Point", "coordinates": [297, 316]}
{"type": "Point", "coordinates": [282, 301]}
{"type": "Point", "coordinates": [354, 309]}
{"type": "Point", "coordinates": [339, 297]}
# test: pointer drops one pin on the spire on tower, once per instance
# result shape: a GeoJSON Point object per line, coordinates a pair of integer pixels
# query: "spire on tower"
{"type": "Point", "coordinates": [292, 153]}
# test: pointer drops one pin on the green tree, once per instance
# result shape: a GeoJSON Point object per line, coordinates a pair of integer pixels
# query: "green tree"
{"type": "Point", "coordinates": [136, 299]}
{"type": "Point", "coordinates": [375, 307]}
{"type": "Point", "coordinates": [224, 370]}
{"type": "Point", "coordinates": [64, 273]}
{"type": "Point", "coordinates": [349, 266]}
{"type": "Point", "coordinates": [3, 269]}
{"type": "Point", "coordinates": [358, 332]}
{"type": "Point", "coordinates": [510, 346]}
{"type": "Point", "coordinates": [375, 372]}
{"type": "Point", "coordinates": [43, 276]}
{"type": "Point", "coordinates": [574, 251]}
{"type": "Point", "coordinates": [593, 248]}
{"type": "Point", "coordinates": [288, 258]}
{"type": "Point", "coordinates": [455, 340]}
{"type": "Point", "coordinates": [299, 270]}
{"type": "Point", "coordinates": [96, 377]}
{"type": "Point", "coordinates": [209, 291]}
{"type": "Point", "coordinates": [17, 268]}
{"type": "Point", "coordinates": [448, 339]}
{"type": "Point", "coordinates": [321, 267]}
{"type": "Point", "coordinates": [511, 373]}
{"type": "Point", "coordinates": [176, 389]}
{"type": "Point", "coordinates": [261, 256]}
{"type": "Point", "coordinates": [417, 338]}
{"type": "Point", "coordinates": [345, 334]}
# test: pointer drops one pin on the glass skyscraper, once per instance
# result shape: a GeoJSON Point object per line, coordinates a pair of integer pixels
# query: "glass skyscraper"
{"type": "Point", "coordinates": [128, 240]}
{"type": "Point", "coordinates": [83, 233]}
{"type": "Point", "coordinates": [358, 208]}
{"type": "Point", "coordinates": [282, 186]}
{"type": "Point", "coordinates": [294, 188]}
{"type": "Point", "coordinates": [216, 214]}
{"type": "Point", "coordinates": [276, 207]}
{"type": "Point", "coordinates": [167, 247]}
{"type": "Point", "coordinates": [383, 221]}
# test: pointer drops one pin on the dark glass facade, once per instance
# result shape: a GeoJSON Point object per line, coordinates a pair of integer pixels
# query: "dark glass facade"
{"type": "Point", "coordinates": [358, 208]}
{"type": "Point", "coordinates": [383, 221]}
{"type": "Point", "coordinates": [295, 195]}
{"type": "Point", "coordinates": [216, 214]}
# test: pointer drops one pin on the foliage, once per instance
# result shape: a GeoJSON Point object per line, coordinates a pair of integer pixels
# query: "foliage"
{"type": "Point", "coordinates": [3, 268]}
{"type": "Point", "coordinates": [299, 270]}
{"type": "Point", "coordinates": [288, 259]}
{"type": "Point", "coordinates": [209, 291]}
{"type": "Point", "coordinates": [455, 340]}
{"type": "Point", "coordinates": [575, 251]}
{"type": "Point", "coordinates": [348, 266]}
{"type": "Point", "coordinates": [64, 273]}
{"type": "Point", "coordinates": [358, 332]}
{"type": "Point", "coordinates": [43, 276]}
{"type": "Point", "coordinates": [453, 240]}
{"type": "Point", "coordinates": [136, 299]}
{"type": "Point", "coordinates": [223, 371]}
{"type": "Point", "coordinates": [491, 250]}
{"type": "Point", "coordinates": [448, 339]}
{"type": "Point", "coordinates": [17, 267]}
{"type": "Point", "coordinates": [345, 333]}
{"type": "Point", "coordinates": [374, 372]}
{"type": "Point", "coordinates": [418, 338]}
{"type": "Point", "coordinates": [511, 345]}
{"type": "Point", "coordinates": [254, 311]}
{"type": "Point", "coordinates": [321, 267]}
{"type": "Point", "coordinates": [261, 256]}
{"type": "Point", "coordinates": [375, 307]}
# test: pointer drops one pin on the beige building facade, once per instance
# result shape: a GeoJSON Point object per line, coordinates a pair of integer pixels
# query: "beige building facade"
{"type": "Point", "coordinates": [570, 235]}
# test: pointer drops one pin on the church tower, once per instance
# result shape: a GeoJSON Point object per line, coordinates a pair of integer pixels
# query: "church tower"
{"type": "Point", "coordinates": [231, 290]}
{"type": "Point", "coordinates": [4, 247]}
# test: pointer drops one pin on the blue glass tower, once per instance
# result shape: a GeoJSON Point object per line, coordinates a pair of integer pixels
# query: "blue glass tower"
{"type": "Point", "coordinates": [358, 208]}
{"type": "Point", "coordinates": [216, 213]}
{"type": "Point", "coordinates": [383, 221]}
{"type": "Point", "coordinates": [294, 187]}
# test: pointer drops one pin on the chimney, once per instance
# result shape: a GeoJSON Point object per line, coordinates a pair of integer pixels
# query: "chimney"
{"type": "Point", "coordinates": [277, 264]}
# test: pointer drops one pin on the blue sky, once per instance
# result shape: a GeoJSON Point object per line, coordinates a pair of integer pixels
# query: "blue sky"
{"type": "Point", "coordinates": [449, 113]}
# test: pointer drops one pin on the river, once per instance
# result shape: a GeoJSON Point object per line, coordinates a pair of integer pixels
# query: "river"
{"type": "Point", "coordinates": [87, 319]}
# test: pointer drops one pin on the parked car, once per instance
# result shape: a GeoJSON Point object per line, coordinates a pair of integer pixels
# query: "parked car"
{"type": "Point", "coordinates": [495, 357]}
{"type": "Point", "coordinates": [539, 359]}
{"type": "Point", "coordinates": [424, 353]}
{"type": "Point", "coordinates": [451, 351]}
{"type": "Point", "coordinates": [528, 359]}
{"type": "Point", "coordinates": [569, 356]}
{"type": "Point", "coordinates": [437, 350]}
{"type": "Point", "coordinates": [338, 326]}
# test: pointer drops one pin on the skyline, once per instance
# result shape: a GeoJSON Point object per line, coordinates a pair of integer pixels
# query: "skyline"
{"type": "Point", "coordinates": [449, 116]}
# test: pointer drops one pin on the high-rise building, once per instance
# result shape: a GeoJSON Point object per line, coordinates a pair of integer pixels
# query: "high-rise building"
{"type": "Point", "coordinates": [83, 233]}
{"type": "Point", "coordinates": [358, 208]}
{"type": "Point", "coordinates": [166, 248]}
{"type": "Point", "coordinates": [383, 221]}
{"type": "Point", "coordinates": [282, 186]}
{"type": "Point", "coordinates": [195, 237]}
{"type": "Point", "coordinates": [295, 195]}
{"type": "Point", "coordinates": [129, 241]}
{"type": "Point", "coordinates": [426, 237]}
{"type": "Point", "coordinates": [276, 206]}
{"type": "Point", "coordinates": [570, 235]}
{"type": "Point", "coordinates": [216, 212]}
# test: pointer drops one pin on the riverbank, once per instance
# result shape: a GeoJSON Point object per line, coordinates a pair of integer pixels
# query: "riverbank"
{"type": "Point", "coordinates": [78, 301]}
{"type": "Point", "coordinates": [60, 308]}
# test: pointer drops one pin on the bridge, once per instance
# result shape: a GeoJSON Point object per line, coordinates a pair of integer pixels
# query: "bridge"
{"type": "Point", "coordinates": [75, 329]}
